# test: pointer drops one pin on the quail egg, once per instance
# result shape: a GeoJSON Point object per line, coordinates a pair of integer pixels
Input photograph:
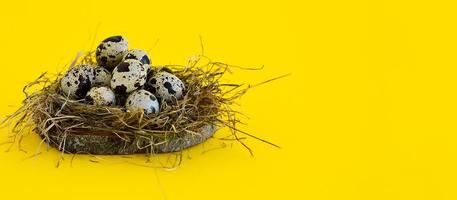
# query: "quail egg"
{"type": "Point", "coordinates": [142, 99]}
{"type": "Point", "coordinates": [139, 55]}
{"type": "Point", "coordinates": [77, 81]}
{"type": "Point", "coordinates": [166, 86]}
{"type": "Point", "coordinates": [102, 76]}
{"type": "Point", "coordinates": [111, 51]}
{"type": "Point", "coordinates": [129, 75]}
{"type": "Point", "coordinates": [101, 96]}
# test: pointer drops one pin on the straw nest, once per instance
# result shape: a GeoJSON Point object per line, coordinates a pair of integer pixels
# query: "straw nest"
{"type": "Point", "coordinates": [76, 127]}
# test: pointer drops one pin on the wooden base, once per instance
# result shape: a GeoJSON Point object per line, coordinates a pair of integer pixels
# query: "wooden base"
{"type": "Point", "coordinates": [105, 143]}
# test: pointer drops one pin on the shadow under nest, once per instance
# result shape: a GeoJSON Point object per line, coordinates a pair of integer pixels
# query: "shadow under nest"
{"type": "Point", "coordinates": [73, 126]}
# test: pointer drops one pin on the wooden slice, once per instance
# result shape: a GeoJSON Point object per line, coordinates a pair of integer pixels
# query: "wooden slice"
{"type": "Point", "coordinates": [106, 143]}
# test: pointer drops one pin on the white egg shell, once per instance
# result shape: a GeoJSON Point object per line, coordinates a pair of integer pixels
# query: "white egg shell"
{"type": "Point", "coordinates": [101, 96]}
{"type": "Point", "coordinates": [128, 76]}
{"type": "Point", "coordinates": [111, 51]}
{"type": "Point", "coordinates": [166, 86]}
{"type": "Point", "coordinates": [102, 76]}
{"type": "Point", "coordinates": [139, 55]}
{"type": "Point", "coordinates": [77, 81]}
{"type": "Point", "coordinates": [142, 99]}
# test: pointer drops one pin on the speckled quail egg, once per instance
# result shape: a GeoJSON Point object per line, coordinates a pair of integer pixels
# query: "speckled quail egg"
{"type": "Point", "coordinates": [111, 51]}
{"type": "Point", "coordinates": [102, 76]}
{"type": "Point", "coordinates": [129, 75]}
{"type": "Point", "coordinates": [101, 96]}
{"type": "Point", "coordinates": [166, 86]}
{"type": "Point", "coordinates": [142, 99]}
{"type": "Point", "coordinates": [77, 81]}
{"type": "Point", "coordinates": [139, 55]}
{"type": "Point", "coordinates": [152, 70]}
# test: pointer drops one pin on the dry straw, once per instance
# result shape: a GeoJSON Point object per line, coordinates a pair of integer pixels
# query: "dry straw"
{"type": "Point", "coordinates": [207, 103]}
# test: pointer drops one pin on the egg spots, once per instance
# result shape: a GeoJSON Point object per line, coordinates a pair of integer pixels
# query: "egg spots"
{"type": "Point", "coordinates": [165, 86]}
{"type": "Point", "coordinates": [89, 99]}
{"type": "Point", "coordinates": [169, 87]}
{"type": "Point", "coordinates": [153, 81]}
{"type": "Point", "coordinates": [153, 90]}
{"type": "Point", "coordinates": [138, 54]}
{"type": "Point", "coordinates": [110, 51]}
{"type": "Point", "coordinates": [104, 59]}
{"type": "Point", "coordinates": [129, 73]}
{"type": "Point", "coordinates": [120, 89]}
{"type": "Point", "coordinates": [101, 47]}
{"type": "Point", "coordinates": [102, 77]}
{"type": "Point", "coordinates": [77, 81]}
{"type": "Point", "coordinates": [130, 56]}
{"type": "Point", "coordinates": [83, 86]}
{"type": "Point", "coordinates": [142, 100]}
{"type": "Point", "coordinates": [117, 38]}
{"type": "Point", "coordinates": [123, 67]}
{"type": "Point", "coordinates": [100, 96]}
{"type": "Point", "coordinates": [145, 60]}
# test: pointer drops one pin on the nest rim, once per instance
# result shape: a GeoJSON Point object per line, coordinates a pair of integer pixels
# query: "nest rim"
{"type": "Point", "coordinates": [224, 116]}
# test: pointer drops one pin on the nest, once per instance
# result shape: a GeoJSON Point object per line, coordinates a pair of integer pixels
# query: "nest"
{"type": "Point", "coordinates": [76, 127]}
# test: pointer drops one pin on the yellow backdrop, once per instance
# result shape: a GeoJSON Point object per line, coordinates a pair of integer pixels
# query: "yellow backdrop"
{"type": "Point", "coordinates": [368, 112]}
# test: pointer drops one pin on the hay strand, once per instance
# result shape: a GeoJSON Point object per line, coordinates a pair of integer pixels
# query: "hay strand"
{"type": "Point", "coordinates": [206, 102]}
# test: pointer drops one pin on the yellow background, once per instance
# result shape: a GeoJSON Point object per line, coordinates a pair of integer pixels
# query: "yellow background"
{"type": "Point", "coordinates": [368, 113]}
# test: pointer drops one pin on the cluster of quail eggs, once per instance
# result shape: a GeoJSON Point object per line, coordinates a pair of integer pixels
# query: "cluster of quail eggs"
{"type": "Point", "coordinates": [122, 77]}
